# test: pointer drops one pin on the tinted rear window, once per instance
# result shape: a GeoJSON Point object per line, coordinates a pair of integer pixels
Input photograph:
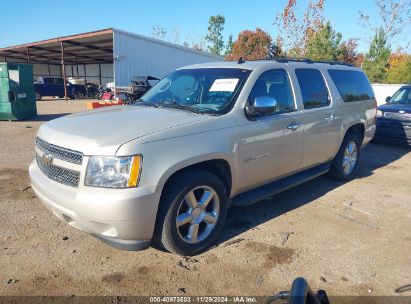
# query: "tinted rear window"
{"type": "Point", "coordinates": [313, 88]}
{"type": "Point", "coordinates": [352, 85]}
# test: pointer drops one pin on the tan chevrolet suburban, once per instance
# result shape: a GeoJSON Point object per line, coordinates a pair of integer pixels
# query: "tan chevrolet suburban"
{"type": "Point", "coordinates": [165, 170]}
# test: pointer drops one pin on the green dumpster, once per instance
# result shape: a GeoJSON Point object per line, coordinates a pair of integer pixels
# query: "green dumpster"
{"type": "Point", "coordinates": [17, 100]}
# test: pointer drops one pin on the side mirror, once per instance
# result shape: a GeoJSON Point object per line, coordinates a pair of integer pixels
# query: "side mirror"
{"type": "Point", "coordinates": [262, 105]}
{"type": "Point", "coordinates": [387, 100]}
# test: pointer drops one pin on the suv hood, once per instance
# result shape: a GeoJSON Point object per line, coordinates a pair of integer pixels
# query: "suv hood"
{"type": "Point", "coordinates": [103, 131]}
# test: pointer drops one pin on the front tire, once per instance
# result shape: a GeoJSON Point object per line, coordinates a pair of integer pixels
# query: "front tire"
{"type": "Point", "coordinates": [192, 213]}
{"type": "Point", "coordinates": [345, 164]}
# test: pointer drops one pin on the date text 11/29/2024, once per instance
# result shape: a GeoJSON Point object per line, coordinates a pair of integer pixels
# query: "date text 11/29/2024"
{"type": "Point", "coordinates": [206, 299]}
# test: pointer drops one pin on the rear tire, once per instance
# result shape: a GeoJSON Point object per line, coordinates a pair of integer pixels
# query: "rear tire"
{"type": "Point", "coordinates": [192, 213]}
{"type": "Point", "coordinates": [345, 164]}
{"type": "Point", "coordinates": [78, 95]}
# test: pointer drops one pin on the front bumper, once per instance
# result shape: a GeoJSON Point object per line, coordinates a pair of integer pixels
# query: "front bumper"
{"type": "Point", "coordinates": [123, 218]}
{"type": "Point", "coordinates": [393, 131]}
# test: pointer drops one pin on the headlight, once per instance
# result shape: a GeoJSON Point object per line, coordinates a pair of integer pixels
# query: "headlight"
{"type": "Point", "coordinates": [113, 172]}
{"type": "Point", "coordinates": [379, 113]}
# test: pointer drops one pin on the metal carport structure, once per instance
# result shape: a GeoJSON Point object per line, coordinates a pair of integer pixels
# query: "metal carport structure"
{"type": "Point", "coordinates": [107, 55]}
{"type": "Point", "coordinates": [64, 52]}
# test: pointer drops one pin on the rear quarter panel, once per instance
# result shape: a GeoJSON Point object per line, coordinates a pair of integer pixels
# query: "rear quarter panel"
{"type": "Point", "coordinates": [363, 112]}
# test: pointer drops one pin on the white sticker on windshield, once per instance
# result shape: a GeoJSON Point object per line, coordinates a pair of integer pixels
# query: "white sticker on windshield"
{"type": "Point", "coordinates": [224, 85]}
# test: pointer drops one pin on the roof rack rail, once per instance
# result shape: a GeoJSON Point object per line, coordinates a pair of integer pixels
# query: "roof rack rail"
{"type": "Point", "coordinates": [306, 60]}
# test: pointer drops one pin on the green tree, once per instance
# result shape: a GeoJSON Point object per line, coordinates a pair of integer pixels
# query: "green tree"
{"type": "Point", "coordinates": [229, 46]}
{"type": "Point", "coordinates": [215, 36]}
{"type": "Point", "coordinates": [324, 44]}
{"type": "Point", "coordinates": [376, 60]}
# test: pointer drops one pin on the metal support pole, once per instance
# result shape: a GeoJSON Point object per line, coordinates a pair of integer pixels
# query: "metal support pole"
{"type": "Point", "coordinates": [48, 68]}
{"type": "Point", "coordinates": [5, 56]}
{"type": "Point", "coordinates": [78, 76]}
{"type": "Point", "coordinates": [99, 73]}
{"type": "Point", "coordinates": [28, 55]}
{"type": "Point", "coordinates": [63, 70]}
{"type": "Point", "coordinates": [85, 74]}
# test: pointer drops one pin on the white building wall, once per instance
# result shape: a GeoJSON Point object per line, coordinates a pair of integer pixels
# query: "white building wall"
{"type": "Point", "coordinates": [136, 55]}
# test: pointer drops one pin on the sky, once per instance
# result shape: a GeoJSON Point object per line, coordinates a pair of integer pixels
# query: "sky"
{"type": "Point", "coordinates": [26, 21]}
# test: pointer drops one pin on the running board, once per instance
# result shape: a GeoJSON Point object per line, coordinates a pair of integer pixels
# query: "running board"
{"type": "Point", "coordinates": [253, 196]}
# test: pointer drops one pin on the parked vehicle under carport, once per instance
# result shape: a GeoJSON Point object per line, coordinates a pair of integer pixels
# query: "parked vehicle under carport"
{"type": "Point", "coordinates": [54, 86]}
{"type": "Point", "coordinates": [394, 118]}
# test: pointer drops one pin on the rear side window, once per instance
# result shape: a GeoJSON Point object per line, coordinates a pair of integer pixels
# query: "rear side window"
{"type": "Point", "coordinates": [352, 85]}
{"type": "Point", "coordinates": [313, 88]}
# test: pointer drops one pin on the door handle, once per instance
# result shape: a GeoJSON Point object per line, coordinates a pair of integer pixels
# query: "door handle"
{"type": "Point", "coordinates": [331, 117]}
{"type": "Point", "coordinates": [293, 126]}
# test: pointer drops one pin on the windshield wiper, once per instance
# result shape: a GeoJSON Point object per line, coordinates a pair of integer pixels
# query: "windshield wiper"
{"type": "Point", "coordinates": [176, 105]}
{"type": "Point", "coordinates": [146, 103]}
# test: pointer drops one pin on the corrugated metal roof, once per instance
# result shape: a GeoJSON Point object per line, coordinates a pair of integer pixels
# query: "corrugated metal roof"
{"type": "Point", "coordinates": [62, 38]}
{"type": "Point", "coordinates": [85, 48]}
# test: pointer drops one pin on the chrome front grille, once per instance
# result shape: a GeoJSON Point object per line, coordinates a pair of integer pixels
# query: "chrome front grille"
{"type": "Point", "coordinates": [61, 175]}
{"type": "Point", "coordinates": [67, 155]}
{"type": "Point", "coordinates": [395, 115]}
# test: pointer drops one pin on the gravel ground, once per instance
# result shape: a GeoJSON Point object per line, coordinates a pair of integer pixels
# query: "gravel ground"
{"type": "Point", "coordinates": [349, 239]}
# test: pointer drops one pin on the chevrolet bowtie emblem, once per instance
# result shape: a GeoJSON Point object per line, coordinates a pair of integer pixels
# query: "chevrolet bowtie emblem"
{"type": "Point", "coordinates": [47, 159]}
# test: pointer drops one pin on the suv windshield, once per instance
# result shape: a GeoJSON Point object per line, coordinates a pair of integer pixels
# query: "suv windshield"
{"type": "Point", "coordinates": [402, 96]}
{"type": "Point", "coordinates": [212, 91]}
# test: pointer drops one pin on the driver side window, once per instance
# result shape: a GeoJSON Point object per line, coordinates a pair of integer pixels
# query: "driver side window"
{"type": "Point", "coordinates": [276, 84]}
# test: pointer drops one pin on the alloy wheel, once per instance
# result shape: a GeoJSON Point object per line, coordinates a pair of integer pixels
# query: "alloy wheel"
{"type": "Point", "coordinates": [350, 158]}
{"type": "Point", "coordinates": [197, 214]}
